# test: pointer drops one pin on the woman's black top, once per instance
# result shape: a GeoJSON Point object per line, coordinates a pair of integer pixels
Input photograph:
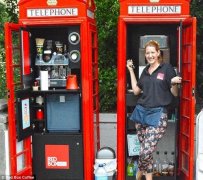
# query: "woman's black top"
{"type": "Point", "coordinates": [156, 87]}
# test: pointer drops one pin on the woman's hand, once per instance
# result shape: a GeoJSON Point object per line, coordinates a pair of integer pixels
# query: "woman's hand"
{"type": "Point", "coordinates": [130, 65]}
{"type": "Point", "coordinates": [176, 80]}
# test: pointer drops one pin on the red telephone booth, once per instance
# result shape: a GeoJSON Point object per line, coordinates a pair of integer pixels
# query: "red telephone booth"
{"type": "Point", "coordinates": [52, 82]}
{"type": "Point", "coordinates": [169, 23]}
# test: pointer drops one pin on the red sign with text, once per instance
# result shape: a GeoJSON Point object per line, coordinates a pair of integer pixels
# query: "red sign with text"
{"type": "Point", "coordinates": [57, 156]}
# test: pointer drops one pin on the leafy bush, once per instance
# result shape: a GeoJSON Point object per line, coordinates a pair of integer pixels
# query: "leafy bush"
{"type": "Point", "coordinates": [196, 10]}
{"type": "Point", "coordinates": [3, 14]}
{"type": "Point", "coordinates": [107, 31]}
{"type": "Point", "coordinates": [107, 88]}
{"type": "Point", "coordinates": [8, 13]}
{"type": "Point", "coordinates": [107, 16]}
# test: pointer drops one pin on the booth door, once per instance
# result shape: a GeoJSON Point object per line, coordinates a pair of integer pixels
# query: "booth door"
{"type": "Point", "coordinates": [16, 68]}
{"type": "Point", "coordinates": [187, 100]}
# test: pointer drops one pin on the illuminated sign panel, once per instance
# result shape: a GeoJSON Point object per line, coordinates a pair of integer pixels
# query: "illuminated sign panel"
{"type": "Point", "coordinates": [176, 9]}
{"type": "Point", "coordinates": [52, 12]}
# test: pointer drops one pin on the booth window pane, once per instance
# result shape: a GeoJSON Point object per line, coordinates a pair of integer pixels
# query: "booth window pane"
{"type": "Point", "coordinates": [185, 125]}
{"type": "Point", "coordinates": [185, 106]}
{"type": "Point", "coordinates": [21, 157]}
{"type": "Point", "coordinates": [185, 144]}
{"type": "Point", "coordinates": [185, 162]}
{"type": "Point", "coordinates": [16, 47]}
{"type": "Point", "coordinates": [20, 162]}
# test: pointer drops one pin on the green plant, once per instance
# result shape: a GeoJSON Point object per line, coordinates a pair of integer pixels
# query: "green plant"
{"type": "Point", "coordinates": [196, 11]}
{"type": "Point", "coordinates": [8, 13]}
{"type": "Point", "coordinates": [107, 35]}
{"type": "Point", "coordinates": [11, 10]}
{"type": "Point", "coordinates": [107, 85]}
{"type": "Point", "coordinates": [3, 14]}
{"type": "Point", "coordinates": [107, 31]}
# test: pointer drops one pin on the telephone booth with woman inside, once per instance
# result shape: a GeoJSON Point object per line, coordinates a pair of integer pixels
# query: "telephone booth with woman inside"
{"type": "Point", "coordinates": [171, 25]}
{"type": "Point", "coordinates": [52, 83]}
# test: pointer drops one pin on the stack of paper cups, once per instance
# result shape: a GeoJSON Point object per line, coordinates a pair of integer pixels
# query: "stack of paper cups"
{"type": "Point", "coordinates": [44, 80]}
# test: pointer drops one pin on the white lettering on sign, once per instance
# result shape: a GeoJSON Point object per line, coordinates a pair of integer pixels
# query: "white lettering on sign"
{"type": "Point", "coordinates": [154, 9]}
{"type": "Point", "coordinates": [53, 161]}
{"type": "Point", "coordinates": [52, 12]}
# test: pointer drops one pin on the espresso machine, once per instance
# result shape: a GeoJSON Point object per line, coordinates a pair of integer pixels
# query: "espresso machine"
{"type": "Point", "coordinates": [57, 57]}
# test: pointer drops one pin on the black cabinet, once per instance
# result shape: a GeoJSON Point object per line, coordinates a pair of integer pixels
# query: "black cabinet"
{"type": "Point", "coordinates": [57, 156]}
{"type": "Point", "coordinates": [53, 119]}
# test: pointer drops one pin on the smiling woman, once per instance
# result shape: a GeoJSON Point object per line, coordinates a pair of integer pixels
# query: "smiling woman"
{"type": "Point", "coordinates": [156, 87]}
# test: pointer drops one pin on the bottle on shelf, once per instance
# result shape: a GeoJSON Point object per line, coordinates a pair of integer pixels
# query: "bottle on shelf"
{"type": "Point", "coordinates": [173, 117]}
{"type": "Point", "coordinates": [100, 173]}
{"type": "Point", "coordinates": [171, 167]}
{"type": "Point", "coordinates": [130, 167]}
{"type": "Point", "coordinates": [135, 165]}
{"type": "Point", "coordinates": [35, 87]}
{"type": "Point", "coordinates": [157, 165]}
{"type": "Point", "coordinates": [39, 100]}
{"type": "Point", "coordinates": [164, 165]}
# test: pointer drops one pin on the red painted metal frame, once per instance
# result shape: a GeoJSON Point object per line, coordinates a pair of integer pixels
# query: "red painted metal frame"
{"type": "Point", "coordinates": [121, 101]}
{"type": "Point", "coordinates": [187, 110]}
{"type": "Point", "coordinates": [124, 20]}
{"type": "Point", "coordinates": [95, 80]}
{"type": "Point", "coordinates": [89, 114]}
{"type": "Point", "coordinates": [9, 28]}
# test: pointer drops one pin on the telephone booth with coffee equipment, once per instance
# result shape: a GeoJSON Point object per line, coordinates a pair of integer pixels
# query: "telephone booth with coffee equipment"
{"type": "Point", "coordinates": [170, 24]}
{"type": "Point", "coordinates": [52, 82]}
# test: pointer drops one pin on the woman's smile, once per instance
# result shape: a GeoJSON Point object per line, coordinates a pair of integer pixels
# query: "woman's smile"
{"type": "Point", "coordinates": [152, 55]}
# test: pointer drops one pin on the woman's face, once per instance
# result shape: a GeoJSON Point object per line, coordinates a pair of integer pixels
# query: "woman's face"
{"type": "Point", "coordinates": [152, 55]}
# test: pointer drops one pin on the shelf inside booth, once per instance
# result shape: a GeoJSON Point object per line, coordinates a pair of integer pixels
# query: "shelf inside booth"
{"type": "Point", "coordinates": [57, 90]}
